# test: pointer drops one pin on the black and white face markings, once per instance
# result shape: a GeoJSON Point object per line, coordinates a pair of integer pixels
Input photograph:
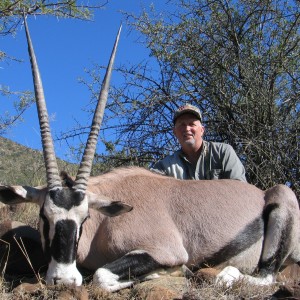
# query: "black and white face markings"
{"type": "Point", "coordinates": [62, 215]}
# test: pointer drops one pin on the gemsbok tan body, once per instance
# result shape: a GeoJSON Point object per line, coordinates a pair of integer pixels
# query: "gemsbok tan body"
{"type": "Point", "coordinates": [129, 222]}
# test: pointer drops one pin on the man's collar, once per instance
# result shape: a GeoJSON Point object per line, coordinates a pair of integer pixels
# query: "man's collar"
{"type": "Point", "coordinates": [203, 150]}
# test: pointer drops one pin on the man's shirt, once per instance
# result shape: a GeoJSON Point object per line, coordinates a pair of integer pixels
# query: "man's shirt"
{"type": "Point", "coordinates": [216, 161]}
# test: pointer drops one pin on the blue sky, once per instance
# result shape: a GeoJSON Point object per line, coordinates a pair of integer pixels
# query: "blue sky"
{"type": "Point", "coordinates": [64, 48]}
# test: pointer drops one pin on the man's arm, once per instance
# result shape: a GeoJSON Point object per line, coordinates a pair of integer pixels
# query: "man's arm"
{"type": "Point", "coordinates": [233, 167]}
{"type": "Point", "coordinates": [158, 167]}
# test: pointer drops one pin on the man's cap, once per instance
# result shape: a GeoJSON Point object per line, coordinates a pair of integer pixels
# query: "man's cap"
{"type": "Point", "coordinates": [187, 109]}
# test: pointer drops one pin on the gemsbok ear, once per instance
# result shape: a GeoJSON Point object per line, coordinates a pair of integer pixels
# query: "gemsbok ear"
{"type": "Point", "coordinates": [107, 206]}
{"type": "Point", "coordinates": [19, 194]}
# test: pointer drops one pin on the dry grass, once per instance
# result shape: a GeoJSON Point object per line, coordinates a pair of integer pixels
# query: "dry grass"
{"type": "Point", "coordinates": [239, 290]}
{"type": "Point", "coordinates": [26, 213]}
{"type": "Point", "coordinates": [183, 289]}
{"type": "Point", "coordinates": [192, 292]}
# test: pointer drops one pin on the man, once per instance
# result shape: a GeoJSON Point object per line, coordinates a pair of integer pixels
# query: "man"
{"type": "Point", "coordinates": [198, 159]}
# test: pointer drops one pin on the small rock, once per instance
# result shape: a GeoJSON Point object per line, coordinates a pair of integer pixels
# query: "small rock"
{"type": "Point", "coordinates": [74, 293]}
{"type": "Point", "coordinates": [28, 288]}
{"type": "Point", "coordinates": [290, 274]}
{"type": "Point", "coordinates": [166, 287]}
{"type": "Point", "coordinates": [206, 275]}
{"type": "Point", "coordinates": [287, 292]}
{"type": "Point", "coordinates": [158, 293]}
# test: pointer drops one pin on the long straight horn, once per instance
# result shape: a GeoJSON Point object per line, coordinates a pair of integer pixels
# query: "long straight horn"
{"type": "Point", "coordinates": [85, 168]}
{"type": "Point", "coordinates": [53, 179]}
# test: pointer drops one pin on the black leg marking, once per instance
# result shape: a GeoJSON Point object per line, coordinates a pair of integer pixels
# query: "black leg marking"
{"type": "Point", "coordinates": [133, 264]}
{"type": "Point", "coordinates": [266, 214]}
{"type": "Point", "coordinates": [272, 264]}
{"type": "Point", "coordinates": [248, 237]}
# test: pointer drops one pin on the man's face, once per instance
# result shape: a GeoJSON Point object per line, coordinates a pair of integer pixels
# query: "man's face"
{"type": "Point", "coordinates": [189, 131]}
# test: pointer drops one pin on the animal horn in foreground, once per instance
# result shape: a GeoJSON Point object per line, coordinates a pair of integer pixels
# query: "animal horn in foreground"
{"type": "Point", "coordinates": [53, 179]}
{"type": "Point", "coordinates": [85, 168]}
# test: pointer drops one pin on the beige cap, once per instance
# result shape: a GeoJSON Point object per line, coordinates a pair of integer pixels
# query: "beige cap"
{"type": "Point", "coordinates": [187, 109]}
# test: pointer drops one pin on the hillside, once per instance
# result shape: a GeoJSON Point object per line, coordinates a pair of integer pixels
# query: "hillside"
{"type": "Point", "coordinates": [21, 165]}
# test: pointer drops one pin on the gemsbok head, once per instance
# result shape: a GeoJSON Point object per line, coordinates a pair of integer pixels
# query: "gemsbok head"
{"type": "Point", "coordinates": [63, 209]}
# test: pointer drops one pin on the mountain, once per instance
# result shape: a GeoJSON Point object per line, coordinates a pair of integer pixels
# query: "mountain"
{"type": "Point", "coordinates": [20, 165]}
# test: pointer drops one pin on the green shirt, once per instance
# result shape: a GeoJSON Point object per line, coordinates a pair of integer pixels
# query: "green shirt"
{"type": "Point", "coordinates": [216, 161]}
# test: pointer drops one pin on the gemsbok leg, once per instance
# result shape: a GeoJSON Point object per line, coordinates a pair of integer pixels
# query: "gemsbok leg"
{"type": "Point", "coordinates": [282, 232]}
{"type": "Point", "coordinates": [118, 274]}
{"type": "Point", "coordinates": [281, 244]}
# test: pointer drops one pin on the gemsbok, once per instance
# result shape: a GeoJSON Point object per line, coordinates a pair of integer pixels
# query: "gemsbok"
{"type": "Point", "coordinates": [129, 222]}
